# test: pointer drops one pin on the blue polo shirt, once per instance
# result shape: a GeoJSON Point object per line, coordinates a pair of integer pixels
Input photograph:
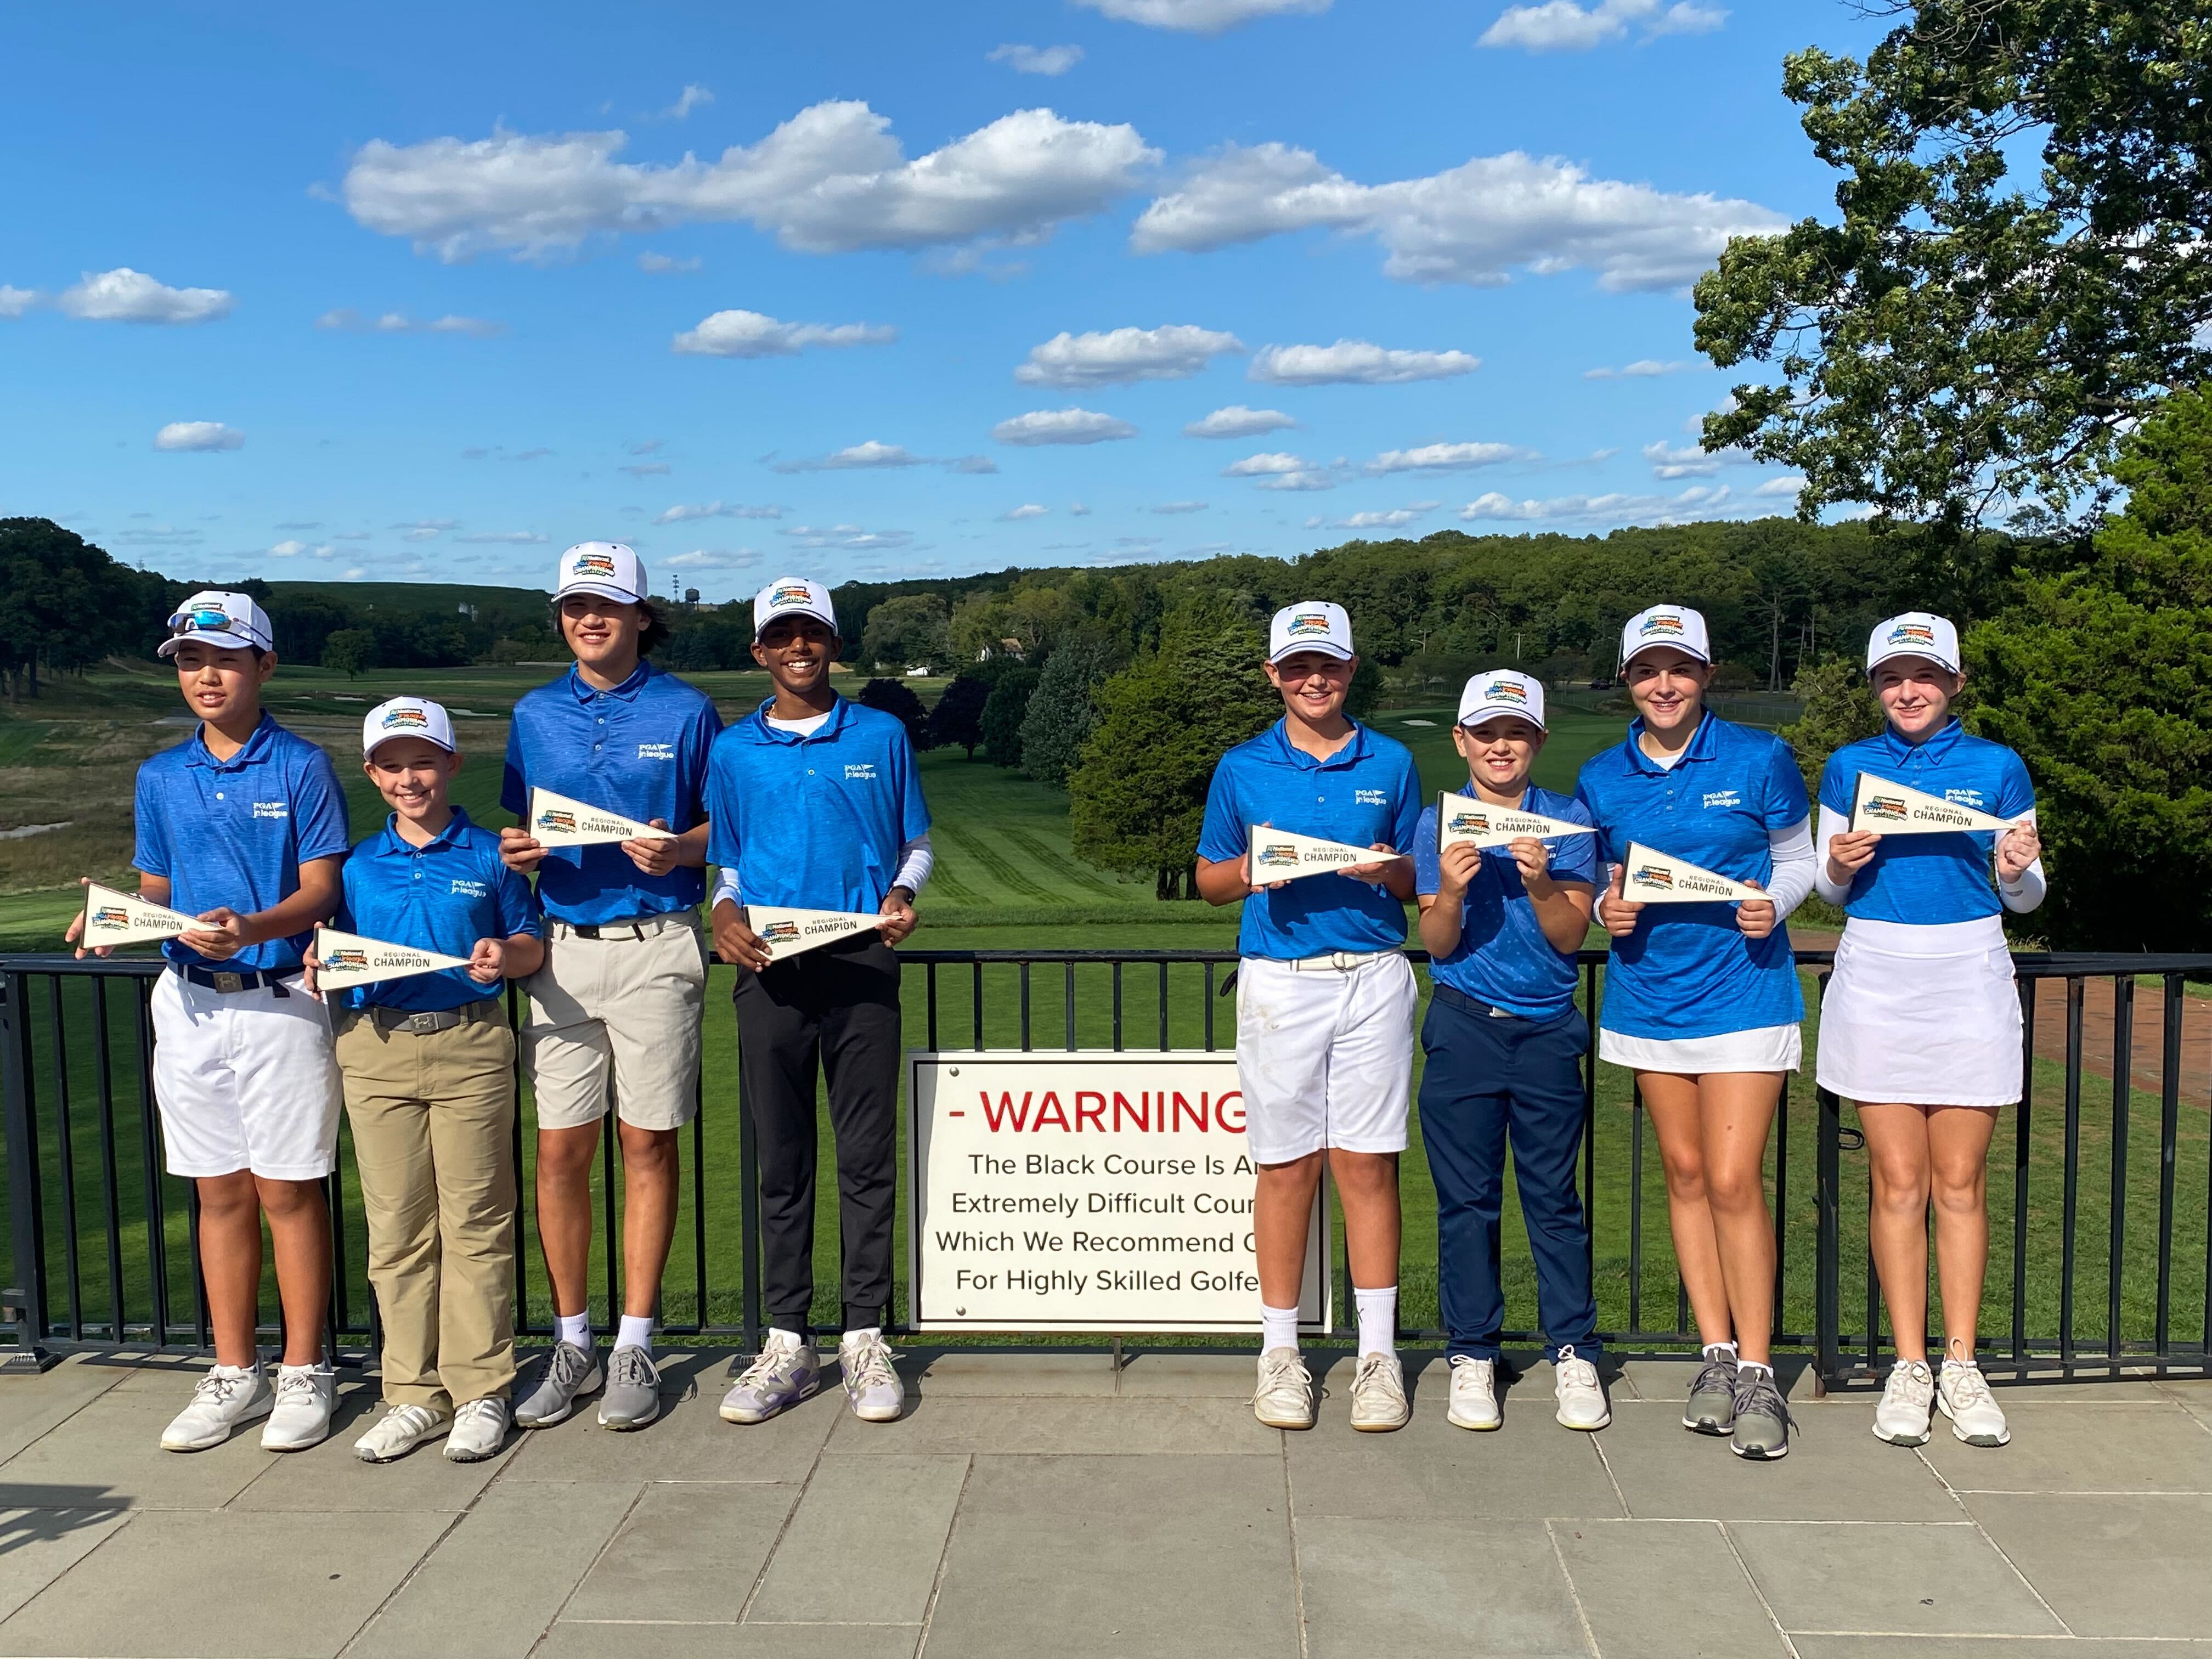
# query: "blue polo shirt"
{"type": "Point", "coordinates": [814, 821]}
{"type": "Point", "coordinates": [1367, 791]}
{"type": "Point", "coordinates": [1687, 971]}
{"type": "Point", "coordinates": [235, 832]}
{"type": "Point", "coordinates": [1503, 957]}
{"type": "Point", "coordinates": [1929, 878]}
{"type": "Point", "coordinates": [640, 750]}
{"type": "Point", "coordinates": [441, 897]}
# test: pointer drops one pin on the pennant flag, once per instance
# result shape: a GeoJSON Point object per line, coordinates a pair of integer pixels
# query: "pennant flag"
{"type": "Point", "coordinates": [1654, 877]}
{"type": "Point", "coordinates": [1285, 855]}
{"type": "Point", "coordinates": [345, 960]}
{"type": "Point", "coordinates": [787, 933]}
{"type": "Point", "coordinates": [1461, 818]}
{"type": "Point", "coordinates": [114, 918]}
{"type": "Point", "coordinates": [557, 821]}
{"type": "Point", "coordinates": [1894, 810]}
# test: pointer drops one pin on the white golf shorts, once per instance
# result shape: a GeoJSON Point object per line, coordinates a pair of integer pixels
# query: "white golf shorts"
{"type": "Point", "coordinates": [244, 1080]}
{"type": "Point", "coordinates": [1325, 1055]}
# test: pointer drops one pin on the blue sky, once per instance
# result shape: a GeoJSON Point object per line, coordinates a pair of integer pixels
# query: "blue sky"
{"type": "Point", "coordinates": [874, 291]}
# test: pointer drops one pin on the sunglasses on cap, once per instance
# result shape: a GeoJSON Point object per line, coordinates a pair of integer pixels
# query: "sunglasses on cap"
{"type": "Point", "coordinates": [209, 621]}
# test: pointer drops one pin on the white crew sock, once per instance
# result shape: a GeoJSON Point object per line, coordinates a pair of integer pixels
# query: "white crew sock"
{"type": "Point", "coordinates": [796, 1338]}
{"type": "Point", "coordinates": [1720, 1351]}
{"type": "Point", "coordinates": [635, 1331]}
{"type": "Point", "coordinates": [1279, 1327]}
{"type": "Point", "coordinates": [1378, 1319]}
{"type": "Point", "coordinates": [574, 1328]}
{"type": "Point", "coordinates": [860, 1334]}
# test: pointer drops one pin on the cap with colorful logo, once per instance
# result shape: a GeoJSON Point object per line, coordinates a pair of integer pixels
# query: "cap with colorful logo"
{"type": "Point", "coordinates": [1311, 625]}
{"type": "Point", "coordinates": [228, 622]}
{"type": "Point", "coordinates": [1915, 634]}
{"type": "Point", "coordinates": [793, 596]}
{"type": "Point", "coordinates": [407, 717]}
{"type": "Point", "coordinates": [1675, 626]}
{"type": "Point", "coordinates": [607, 569]}
{"type": "Point", "coordinates": [1503, 692]}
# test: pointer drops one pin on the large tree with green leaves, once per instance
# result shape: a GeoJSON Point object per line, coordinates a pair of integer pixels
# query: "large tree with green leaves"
{"type": "Point", "coordinates": [1063, 708]}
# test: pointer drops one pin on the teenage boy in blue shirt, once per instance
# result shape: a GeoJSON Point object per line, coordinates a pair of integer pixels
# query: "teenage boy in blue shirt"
{"type": "Point", "coordinates": [244, 826]}
{"type": "Point", "coordinates": [816, 806]}
{"type": "Point", "coordinates": [1504, 1043]}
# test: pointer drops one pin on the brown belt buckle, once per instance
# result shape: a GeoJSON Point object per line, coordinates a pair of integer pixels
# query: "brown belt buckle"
{"type": "Point", "coordinates": [229, 984]}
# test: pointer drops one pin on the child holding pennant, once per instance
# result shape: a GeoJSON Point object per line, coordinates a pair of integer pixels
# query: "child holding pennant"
{"type": "Point", "coordinates": [1325, 999]}
{"type": "Point", "coordinates": [428, 1067]}
{"type": "Point", "coordinates": [243, 827]}
{"type": "Point", "coordinates": [823, 840]}
{"type": "Point", "coordinates": [1921, 1024]}
{"type": "Point", "coordinates": [1506, 873]}
{"type": "Point", "coordinates": [1701, 998]}
{"type": "Point", "coordinates": [624, 983]}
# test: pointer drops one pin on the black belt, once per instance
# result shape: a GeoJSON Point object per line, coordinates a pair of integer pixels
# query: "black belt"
{"type": "Point", "coordinates": [228, 982]}
{"type": "Point", "coordinates": [1467, 1005]}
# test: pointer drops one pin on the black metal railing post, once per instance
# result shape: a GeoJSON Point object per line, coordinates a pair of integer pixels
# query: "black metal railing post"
{"type": "Point", "coordinates": [1827, 1244]}
{"type": "Point", "coordinates": [26, 1300]}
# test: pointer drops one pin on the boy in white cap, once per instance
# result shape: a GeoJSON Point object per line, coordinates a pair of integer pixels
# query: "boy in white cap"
{"type": "Point", "coordinates": [428, 1067]}
{"type": "Point", "coordinates": [624, 983]}
{"type": "Point", "coordinates": [816, 806]}
{"type": "Point", "coordinates": [1325, 1001]}
{"type": "Point", "coordinates": [244, 826]}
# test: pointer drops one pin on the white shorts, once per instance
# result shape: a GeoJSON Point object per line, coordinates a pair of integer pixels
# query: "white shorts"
{"type": "Point", "coordinates": [1762, 1048]}
{"type": "Point", "coordinates": [1926, 1015]}
{"type": "Point", "coordinates": [1325, 1056]}
{"type": "Point", "coordinates": [244, 1080]}
{"type": "Point", "coordinates": [620, 1006]}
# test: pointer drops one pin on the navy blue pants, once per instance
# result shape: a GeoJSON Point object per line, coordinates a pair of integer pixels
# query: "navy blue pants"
{"type": "Point", "coordinates": [1489, 1075]}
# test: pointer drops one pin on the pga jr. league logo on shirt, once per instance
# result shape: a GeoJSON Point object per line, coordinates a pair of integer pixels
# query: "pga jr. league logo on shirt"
{"type": "Point", "coordinates": [272, 809]}
{"type": "Point", "coordinates": [1370, 797]}
{"type": "Point", "coordinates": [469, 888]}
{"type": "Point", "coordinates": [1721, 797]}
{"type": "Point", "coordinates": [656, 752]}
{"type": "Point", "coordinates": [1308, 624]}
{"type": "Point", "coordinates": [861, 772]}
{"type": "Point", "coordinates": [557, 818]}
{"type": "Point", "coordinates": [1662, 626]}
{"type": "Point", "coordinates": [1965, 798]}
{"type": "Point", "coordinates": [1278, 855]}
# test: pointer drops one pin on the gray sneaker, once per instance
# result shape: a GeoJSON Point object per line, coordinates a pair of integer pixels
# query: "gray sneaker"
{"type": "Point", "coordinates": [569, 1371]}
{"type": "Point", "coordinates": [1762, 1418]}
{"type": "Point", "coordinates": [1711, 1409]}
{"type": "Point", "coordinates": [633, 1396]}
{"type": "Point", "coordinates": [784, 1374]}
{"type": "Point", "coordinates": [871, 1385]}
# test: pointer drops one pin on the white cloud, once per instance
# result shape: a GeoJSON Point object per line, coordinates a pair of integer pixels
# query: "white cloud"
{"type": "Point", "coordinates": [423, 530]}
{"type": "Point", "coordinates": [1396, 518]}
{"type": "Point", "coordinates": [1238, 422]}
{"type": "Point", "coordinates": [645, 470]}
{"type": "Point", "coordinates": [857, 457]}
{"type": "Point", "coordinates": [1201, 16]}
{"type": "Point", "coordinates": [291, 549]}
{"type": "Point", "coordinates": [1475, 223]}
{"type": "Point", "coordinates": [682, 511]}
{"type": "Point", "coordinates": [831, 179]}
{"type": "Point", "coordinates": [1276, 470]}
{"type": "Point", "coordinates": [713, 558]}
{"type": "Point", "coordinates": [847, 537]}
{"type": "Point", "coordinates": [1355, 362]}
{"type": "Point", "coordinates": [1642, 368]}
{"type": "Point", "coordinates": [1690, 461]}
{"type": "Point", "coordinates": [750, 334]}
{"type": "Point", "coordinates": [1077, 510]}
{"type": "Point", "coordinates": [1448, 457]}
{"type": "Point", "coordinates": [971, 465]}
{"type": "Point", "coordinates": [1701, 501]}
{"type": "Point", "coordinates": [643, 446]}
{"type": "Point", "coordinates": [503, 538]}
{"type": "Point", "coordinates": [1061, 426]}
{"type": "Point", "coordinates": [393, 322]}
{"type": "Point", "coordinates": [1115, 357]}
{"type": "Point", "coordinates": [1180, 507]}
{"type": "Point", "coordinates": [1026, 510]}
{"type": "Point", "coordinates": [687, 100]}
{"type": "Point", "coordinates": [125, 295]}
{"type": "Point", "coordinates": [198, 434]}
{"type": "Point", "coordinates": [1563, 26]}
{"type": "Point", "coordinates": [663, 265]}
{"type": "Point", "coordinates": [15, 301]}
{"type": "Point", "coordinates": [1035, 60]}
{"type": "Point", "coordinates": [1790, 485]}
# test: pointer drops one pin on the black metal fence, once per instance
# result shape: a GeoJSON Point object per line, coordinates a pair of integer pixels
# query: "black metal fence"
{"type": "Point", "coordinates": [2101, 1241]}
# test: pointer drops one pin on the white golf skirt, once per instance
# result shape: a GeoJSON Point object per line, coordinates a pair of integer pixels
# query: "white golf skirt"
{"type": "Point", "coordinates": [1759, 1048]}
{"type": "Point", "coordinates": [1922, 1015]}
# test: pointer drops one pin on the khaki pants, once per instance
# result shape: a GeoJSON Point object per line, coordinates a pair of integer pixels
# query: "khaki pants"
{"type": "Point", "coordinates": [433, 1121]}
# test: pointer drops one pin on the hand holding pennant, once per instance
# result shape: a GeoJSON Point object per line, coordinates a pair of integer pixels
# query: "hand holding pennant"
{"type": "Point", "coordinates": [1478, 824]}
{"type": "Point", "coordinates": [1278, 855]}
{"type": "Point", "coordinates": [345, 960]}
{"type": "Point", "coordinates": [557, 821]}
{"type": "Point", "coordinates": [785, 933]}
{"type": "Point", "coordinates": [1891, 809]}
{"type": "Point", "coordinates": [111, 918]}
{"type": "Point", "coordinates": [1649, 877]}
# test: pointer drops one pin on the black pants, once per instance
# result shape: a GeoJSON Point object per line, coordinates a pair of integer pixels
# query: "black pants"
{"type": "Point", "coordinates": [839, 1004]}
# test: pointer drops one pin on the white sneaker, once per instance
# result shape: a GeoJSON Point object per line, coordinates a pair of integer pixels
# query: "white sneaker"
{"type": "Point", "coordinates": [1906, 1398]}
{"type": "Point", "coordinates": [782, 1374]}
{"type": "Point", "coordinates": [399, 1431]}
{"type": "Point", "coordinates": [1964, 1393]}
{"type": "Point", "coordinates": [1378, 1395]}
{"type": "Point", "coordinates": [871, 1385]}
{"type": "Point", "coordinates": [1474, 1393]}
{"type": "Point", "coordinates": [1580, 1394]}
{"type": "Point", "coordinates": [479, 1431]}
{"type": "Point", "coordinates": [225, 1398]}
{"type": "Point", "coordinates": [1284, 1398]}
{"type": "Point", "coordinates": [301, 1416]}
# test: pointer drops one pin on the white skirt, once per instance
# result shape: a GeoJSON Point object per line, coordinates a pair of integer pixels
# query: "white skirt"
{"type": "Point", "coordinates": [1761, 1048]}
{"type": "Point", "coordinates": [1924, 1016]}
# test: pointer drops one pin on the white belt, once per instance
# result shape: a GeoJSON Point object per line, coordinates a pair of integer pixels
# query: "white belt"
{"type": "Point", "coordinates": [1337, 962]}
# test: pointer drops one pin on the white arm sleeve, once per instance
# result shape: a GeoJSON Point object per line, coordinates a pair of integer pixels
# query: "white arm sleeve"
{"type": "Point", "coordinates": [1832, 823]}
{"type": "Point", "coordinates": [1793, 866]}
{"type": "Point", "coordinates": [2023, 894]}
{"type": "Point", "coordinates": [915, 862]}
{"type": "Point", "coordinates": [725, 887]}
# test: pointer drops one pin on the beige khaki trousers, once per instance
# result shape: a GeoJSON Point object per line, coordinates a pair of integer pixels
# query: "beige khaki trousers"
{"type": "Point", "coordinates": [433, 1119]}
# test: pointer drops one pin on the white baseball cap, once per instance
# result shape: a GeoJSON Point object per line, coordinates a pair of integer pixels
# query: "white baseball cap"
{"type": "Point", "coordinates": [407, 717]}
{"type": "Point", "coordinates": [1501, 692]}
{"type": "Point", "coordinates": [1675, 625]}
{"type": "Point", "coordinates": [1313, 625]}
{"type": "Point", "coordinates": [228, 622]}
{"type": "Point", "coordinates": [608, 570]}
{"type": "Point", "coordinates": [1915, 634]}
{"type": "Point", "coordinates": [793, 596]}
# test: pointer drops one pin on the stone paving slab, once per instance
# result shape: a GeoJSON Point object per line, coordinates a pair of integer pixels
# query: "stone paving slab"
{"type": "Point", "coordinates": [38, 1546]}
{"type": "Point", "coordinates": [1977, 1647]}
{"type": "Point", "coordinates": [665, 1641]}
{"type": "Point", "coordinates": [687, 1554]}
{"type": "Point", "coordinates": [2109, 1566]}
{"type": "Point", "coordinates": [1414, 1586]}
{"type": "Point", "coordinates": [2081, 1448]}
{"type": "Point", "coordinates": [1662, 1589]}
{"type": "Point", "coordinates": [331, 1477]}
{"type": "Point", "coordinates": [865, 1542]}
{"type": "Point", "coordinates": [1046, 1427]}
{"type": "Point", "coordinates": [1935, 1578]}
{"type": "Point", "coordinates": [109, 1451]}
{"type": "Point", "coordinates": [30, 1407]}
{"type": "Point", "coordinates": [1836, 1471]}
{"type": "Point", "coordinates": [1530, 1468]}
{"type": "Point", "coordinates": [688, 1441]}
{"type": "Point", "coordinates": [996, 1374]}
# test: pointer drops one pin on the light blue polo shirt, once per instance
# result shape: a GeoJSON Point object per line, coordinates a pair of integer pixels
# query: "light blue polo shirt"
{"type": "Point", "coordinates": [640, 750]}
{"type": "Point", "coordinates": [441, 897]}
{"type": "Point", "coordinates": [1503, 957]}
{"type": "Point", "coordinates": [235, 832]}
{"type": "Point", "coordinates": [1688, 970]}
{"type": "Point", "coordinates": [814, 821]}
{"type": "Point", "coordinates": [1929, 878]}
{"type": "Point", "coordinates": [1367, 791]}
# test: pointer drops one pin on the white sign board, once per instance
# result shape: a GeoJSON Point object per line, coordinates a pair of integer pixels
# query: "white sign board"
{"type": "Point", "coordinates": [1087, 1191]}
